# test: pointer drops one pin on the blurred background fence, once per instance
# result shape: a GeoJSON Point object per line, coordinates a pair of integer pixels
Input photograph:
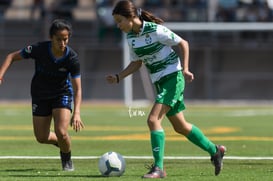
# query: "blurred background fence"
{"type": "Point", "coordinates": [233, 63]}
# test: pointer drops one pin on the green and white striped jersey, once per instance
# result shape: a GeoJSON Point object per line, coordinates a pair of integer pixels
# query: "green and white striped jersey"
{"type": "Point", "coordinates": [153, 46]}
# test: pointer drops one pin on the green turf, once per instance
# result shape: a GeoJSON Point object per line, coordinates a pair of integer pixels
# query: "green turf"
{"type": "Point", "coordinates": [49, 170]}
{"type": "Point", "coordinates": [245, 130]}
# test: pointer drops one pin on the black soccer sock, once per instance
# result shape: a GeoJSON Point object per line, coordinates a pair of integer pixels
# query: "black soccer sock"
{"type": "Point", "coordinates": [65, 156]}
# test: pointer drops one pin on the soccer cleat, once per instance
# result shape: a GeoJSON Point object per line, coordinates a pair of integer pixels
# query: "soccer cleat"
{"type": "Point", "coordinates": [155, 172]}
{"type": "Point", "coordinates": [67, 165]}
{"type": "Point", "coordinates": [217, 159]}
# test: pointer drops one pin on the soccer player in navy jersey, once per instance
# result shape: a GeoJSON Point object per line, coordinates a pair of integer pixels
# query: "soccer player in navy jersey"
{"type": "Point", "coordinates": [56, 84]}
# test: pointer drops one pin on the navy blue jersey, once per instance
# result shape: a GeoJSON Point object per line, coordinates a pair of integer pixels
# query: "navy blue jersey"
{"type": "Point", "coordinates": [52, 76]}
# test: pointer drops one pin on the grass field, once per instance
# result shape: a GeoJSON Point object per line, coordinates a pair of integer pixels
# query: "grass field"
{"type": "Point", "coordinates": [247, 131]}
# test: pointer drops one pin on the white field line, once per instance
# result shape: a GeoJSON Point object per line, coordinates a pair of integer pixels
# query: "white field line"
{"type": "Point", "coordinates": [141, 157]}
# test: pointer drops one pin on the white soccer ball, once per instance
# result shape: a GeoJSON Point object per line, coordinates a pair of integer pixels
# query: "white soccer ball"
{"type": "Point", "coordinates": [112, 164]}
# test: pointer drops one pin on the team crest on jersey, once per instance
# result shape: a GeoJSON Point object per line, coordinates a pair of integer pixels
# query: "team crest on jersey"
{"type": "Point", "coordinates": [133, 42]}
{"type": "Point", "coordinates": [62, 69]}
{"type": "Point", "coordinates": [165, 30]}
{"type": "Point", "coordinates": [148, 39]}
{"type": "Point", "coordinates": [28, 49]}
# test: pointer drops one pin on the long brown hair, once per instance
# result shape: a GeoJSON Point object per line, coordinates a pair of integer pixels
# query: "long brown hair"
{"type": "Point", "coordinates": [127, 9]}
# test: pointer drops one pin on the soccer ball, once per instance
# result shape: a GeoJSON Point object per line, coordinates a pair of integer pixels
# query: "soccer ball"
{"type": "Point", "coordinates": [112, 164]}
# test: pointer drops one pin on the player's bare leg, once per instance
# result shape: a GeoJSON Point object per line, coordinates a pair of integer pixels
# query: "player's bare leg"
{"type": "Point", "coordinates": [41, 127]}
{"type": "Point", "coordinates": [62, 118]}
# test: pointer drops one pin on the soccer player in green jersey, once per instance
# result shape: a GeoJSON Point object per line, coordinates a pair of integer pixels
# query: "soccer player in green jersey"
{"type": "Point", "coordinates": [150, 43]}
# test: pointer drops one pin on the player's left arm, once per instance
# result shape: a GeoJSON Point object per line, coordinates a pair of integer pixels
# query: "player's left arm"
{"type": "Point", "coordinates": [130, 69]}
{"type": "Point", "coordinates": [76, 121]}
{"type": "Point", "coordinates": [10, 58]}
{"type": "Point", "coordinates": [184, 55]}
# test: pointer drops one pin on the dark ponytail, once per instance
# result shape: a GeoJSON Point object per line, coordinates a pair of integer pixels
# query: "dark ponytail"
{"type": "Point", "coordinates": [127, 9]}
{"type": "Point", "coordinates": [147, 16]}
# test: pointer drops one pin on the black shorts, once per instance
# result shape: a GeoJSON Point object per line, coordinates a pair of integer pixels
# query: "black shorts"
{"type": "Point", "coordinates": [44, 107]}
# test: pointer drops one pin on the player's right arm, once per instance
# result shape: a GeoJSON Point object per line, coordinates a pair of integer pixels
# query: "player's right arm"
{"type": "Point", "coordinates": [131, 68]}
{"type": "Point", "coordinates": [10, 58]}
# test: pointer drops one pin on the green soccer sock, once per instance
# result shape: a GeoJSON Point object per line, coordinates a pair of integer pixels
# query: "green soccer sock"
{"type": "Point", "coordinates": [198, 138]}
{"type": "Point", "coordinates": [158, 145]}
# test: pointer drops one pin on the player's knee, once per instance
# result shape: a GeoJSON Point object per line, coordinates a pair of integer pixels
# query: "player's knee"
{"type": "Point", "coordinates": [41, 139]}
{"type": "Point", "coordinates": [179, 131]}
{"type": "Point", "coordinates": [153, 123]}
{"type": "Point", "coordinates": [150, 122]}
{"type": "Point", "coordinates": [62, 135]}
{"type": "Point", "coordinates": [182, 131]}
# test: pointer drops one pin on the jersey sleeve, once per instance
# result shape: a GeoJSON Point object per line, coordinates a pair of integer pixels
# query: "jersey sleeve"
{"type": "Point", "coordinates": [167, 37]}
{"type": "Point", "coordinates": [133, 55]}
{"type": "Point", "coordinates": [75, 72]}
{"type": "Point", "coordinates": [29, 51]}
{"type": "Point", "coordinates": [75, 67]}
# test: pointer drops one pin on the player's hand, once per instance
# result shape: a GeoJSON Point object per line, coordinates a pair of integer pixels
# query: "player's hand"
{"type": "Point", "coordinates": [189, 77]}
{"type": "Point", "coordinates": [76, 123]}
{"type": "Point", "coordinates": [111, 79]}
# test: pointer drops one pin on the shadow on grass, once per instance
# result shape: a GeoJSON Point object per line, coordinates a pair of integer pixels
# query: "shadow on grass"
{"type": "Point", "coordinates": [18, 170]}
{"type": "Point", "coordinates": [43, 173]}
{"type": "Point", "coordinates": [250, 163]}
{"type": "Point", "coordinates": [57, 176]}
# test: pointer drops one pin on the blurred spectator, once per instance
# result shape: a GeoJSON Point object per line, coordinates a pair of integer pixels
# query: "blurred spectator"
{"type": "Point", "coordinates": [105, 19]}
{"type": "Point", "coordinates": [257, 11]}
{"type": "Point", "coordinates": [196, 10]}
{"type": "Point", "coordinates": [40, 6]}
{"type": "Point", "coordinates": [38, 12]}
{"type": "Point", "coordinates": [212, 9]}
{"type": "Point", "coordinates": [246, 11]}
{"type": "Point", "coordinates": [252, 11]}
{"type": "Point", "coordinates": [4, 4]}
{"type": "Point", "coordinates": [157, 7]}
{"type": "Point", "coordinates": [174, 11]}
{"type": "Point", "coordinates": [139, 3]}
{"type": "Point", "coordinates": [153, 3]}
{"type": "Point", "coordinates": [63, 9]}
{"type": "Point", "coordinates": [227, 10]}
{"type": "Point", "coordinates": [270, 9]}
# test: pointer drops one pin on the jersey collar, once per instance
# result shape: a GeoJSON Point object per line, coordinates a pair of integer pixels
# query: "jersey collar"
{"type": "Point", "coordinates": [53, 58]}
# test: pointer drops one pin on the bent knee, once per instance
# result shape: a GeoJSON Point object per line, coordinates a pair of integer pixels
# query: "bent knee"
{"type": "Point", "coordinates": [62, 135]}
{"type": "Point", "coordinates": [182, 131]}
{"type": "Point", "coordinates": [42, 140]}
{"type": "Point", "coordinates": [154, 124]}
{"type": "Point", "coordinates": [151, 122]}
